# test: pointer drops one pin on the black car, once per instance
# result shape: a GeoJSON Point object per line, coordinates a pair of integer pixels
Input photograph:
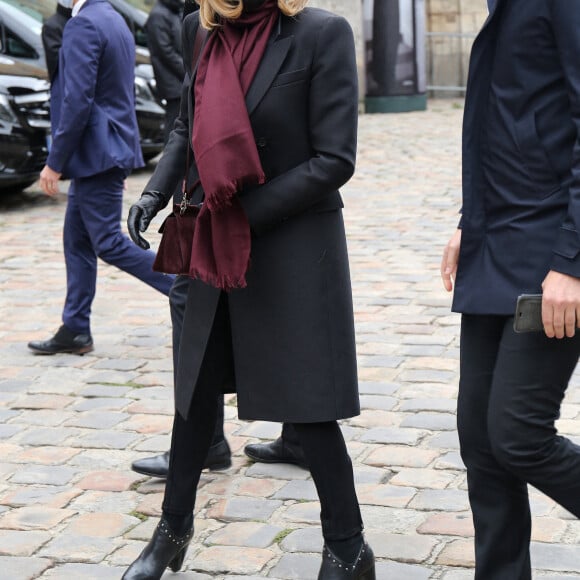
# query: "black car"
{"type": "Point", "coordinates": [20, 39]}
{"type": "Point", "coordinates": [24, 123]}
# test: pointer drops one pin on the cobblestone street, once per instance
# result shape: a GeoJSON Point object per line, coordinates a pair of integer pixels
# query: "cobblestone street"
{"type": "Point", "coordinates": [70, 426]}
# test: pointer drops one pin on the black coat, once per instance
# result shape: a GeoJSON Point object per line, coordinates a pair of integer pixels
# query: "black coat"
{"type": "Point", "coordinates": [52, 30]}
{"type": "Point", "coordinates": [164, 41]}
{"type": "Point", "coordinates": [521, 155]}
{"type": "Point", "coordinates": [292, 327]}
{"type": "Point", "coordinates": [189, 7]}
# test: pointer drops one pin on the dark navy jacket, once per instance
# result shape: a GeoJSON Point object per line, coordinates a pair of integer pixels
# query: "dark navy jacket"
{"type": "Point", "coordinates": [521, 155]}
{"type": "Point", "coordinates": [94, 126]}
{"type": "Point", "coordinates": [164, 40]}
{"type": "Point", "coordinates": [52, 31]}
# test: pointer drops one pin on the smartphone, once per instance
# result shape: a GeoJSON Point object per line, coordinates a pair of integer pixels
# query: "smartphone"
{"type": "Point", "coordinates": [528, 316]}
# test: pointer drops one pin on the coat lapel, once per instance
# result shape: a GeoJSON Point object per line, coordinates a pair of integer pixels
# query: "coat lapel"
{"type": "Point", "coordinates": [493, 9]}
{"type": "Point", "coordinates": [271, 62]}
{"type": "Point", "coordinates": [476, 101]}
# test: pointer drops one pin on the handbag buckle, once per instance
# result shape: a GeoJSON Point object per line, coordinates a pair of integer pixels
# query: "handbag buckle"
{"type": "Point", "coordinates": [183, 205]}
{"type": "Point", "coordinates": [187, 192]}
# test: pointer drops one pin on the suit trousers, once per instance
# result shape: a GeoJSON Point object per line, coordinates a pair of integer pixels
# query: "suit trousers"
{"type": "Point", "coordinates": [322, 443]}
{"type": "Point", "coordinates": [92, 229]}
{"type": "Point", "coordinates": [510, 391]}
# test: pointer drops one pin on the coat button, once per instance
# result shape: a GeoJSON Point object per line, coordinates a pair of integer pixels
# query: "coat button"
{"type": "Point", "coordinates": [261, 142]}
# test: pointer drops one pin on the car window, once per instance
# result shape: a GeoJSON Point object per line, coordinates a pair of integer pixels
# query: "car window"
{"type": "Point", "coordinates": [145, 5]}
{"type": "Point", "coordinates": [38, 10]}
{"type": "Point", "coordinates": [140, 36]}
{"type": "Point", "coordinates": [13, 45]}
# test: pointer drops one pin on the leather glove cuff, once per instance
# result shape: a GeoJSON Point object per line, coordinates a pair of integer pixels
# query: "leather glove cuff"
{"type": "Point", "coordinates": [160, 200]}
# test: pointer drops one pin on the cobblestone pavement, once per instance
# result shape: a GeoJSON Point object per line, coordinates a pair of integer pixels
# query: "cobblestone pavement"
{"type": "Point", "coordinates": [71, 508]}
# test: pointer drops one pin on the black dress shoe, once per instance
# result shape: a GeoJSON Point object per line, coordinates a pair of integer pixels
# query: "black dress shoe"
{"type": "Point", "coordinates": [219, 457]}
{"type": "Point", "coordinates": [164, 550]}
{"type": "Point", "coordinates": [278, 451]}
{"type": "Point", "coordinates": [64, 340]}
{"type": "Point", "coordinates": [363, 568]}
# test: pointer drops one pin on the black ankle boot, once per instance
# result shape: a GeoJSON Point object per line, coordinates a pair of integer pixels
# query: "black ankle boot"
{"type": "Point", "coordinates": [363, 568]}
{"type": "Point", "coordinates": [164, 550]}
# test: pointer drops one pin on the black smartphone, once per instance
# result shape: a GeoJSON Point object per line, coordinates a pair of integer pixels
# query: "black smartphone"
{"type": "Point", "coordinates": [528, 316]}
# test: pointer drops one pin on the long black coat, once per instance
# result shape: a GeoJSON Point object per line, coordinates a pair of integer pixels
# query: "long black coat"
{"type": "Point", "coordinates": [292, 326]}
{"type": "Point", "coordinates": [521, 155]}
{"type": "Point", "coordinates": [163, 28]}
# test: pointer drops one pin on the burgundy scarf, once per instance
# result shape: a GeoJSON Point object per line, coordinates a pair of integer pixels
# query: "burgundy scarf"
{"type": "Point", "coordinates": [224, 147]}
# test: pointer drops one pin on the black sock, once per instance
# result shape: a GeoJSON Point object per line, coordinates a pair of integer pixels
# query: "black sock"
{"type": "Point", "coordinates": [180, 524]}
{"type": "Point", "coordinates": [346, 550]}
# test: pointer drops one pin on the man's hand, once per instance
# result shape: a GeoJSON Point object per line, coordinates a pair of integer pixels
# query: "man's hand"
{"type": "Point", "coordinates": [560, 304]}
{"type": "Point", "coordinates": [449, 260]}
{"type": "Point", "coordinates": [49, 180]}
{"type": "Point", "coordinates": [141, 213]}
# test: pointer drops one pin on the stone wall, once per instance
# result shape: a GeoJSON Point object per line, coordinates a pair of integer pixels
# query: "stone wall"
{"type": "Point", "coordinates": [452, 26]}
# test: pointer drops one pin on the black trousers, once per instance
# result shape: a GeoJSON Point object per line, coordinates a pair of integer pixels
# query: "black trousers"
{"type": "Point", "coordinates": [177, 301]}
{"type": "Point", "coordinates": [510, 392]}
{"type": "Point", "coordinates": [322, 443]}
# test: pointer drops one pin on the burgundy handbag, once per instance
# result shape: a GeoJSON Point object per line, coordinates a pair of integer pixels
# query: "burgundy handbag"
{"type": "Point", "coordinates": [174, 253]}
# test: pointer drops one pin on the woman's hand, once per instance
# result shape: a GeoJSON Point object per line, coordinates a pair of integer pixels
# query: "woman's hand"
{"type": "Point", "coordinates": [560, 304]}
{"type": "Point", "coordinates": [449, 260]}
{"type": "Point", "coordinates": [142, 212]}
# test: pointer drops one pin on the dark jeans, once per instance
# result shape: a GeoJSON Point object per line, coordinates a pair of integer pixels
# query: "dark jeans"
{"type": "Point", "coordinates": [510, 392]}
{"type": "Point", "coordinates": [322, 443]}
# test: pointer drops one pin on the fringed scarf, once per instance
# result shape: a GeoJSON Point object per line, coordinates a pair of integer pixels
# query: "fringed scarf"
{"type": "Point", "coordinates": [224, 146]}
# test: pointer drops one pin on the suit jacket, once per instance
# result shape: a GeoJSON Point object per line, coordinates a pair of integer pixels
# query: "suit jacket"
{"type": "Point", "coordinates": [94, 126]}
{"type": "Point", "coordinates": [164, 40]}
{"type": "Point", "coordinates": [292, 326]}
{"type": "Point", "coordinates": [521, 155]}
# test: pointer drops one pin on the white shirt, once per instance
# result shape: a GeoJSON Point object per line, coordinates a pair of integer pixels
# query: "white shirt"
{"type": "Point", "coordinates": [77, 7]}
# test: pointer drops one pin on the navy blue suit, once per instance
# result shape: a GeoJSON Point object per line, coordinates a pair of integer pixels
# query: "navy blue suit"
{"type": "Point", "coordinates": [96, 145]}
{"type": "Point", "coordinates": [520, 219]}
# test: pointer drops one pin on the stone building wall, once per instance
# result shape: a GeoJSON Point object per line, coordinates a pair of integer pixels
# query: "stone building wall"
{"type": "Point", "coordinates": [451, 27]}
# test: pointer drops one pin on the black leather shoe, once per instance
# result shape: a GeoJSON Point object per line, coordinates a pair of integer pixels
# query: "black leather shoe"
{"type": "Point", "coordinates": [63, 341]}
{"type": "Point", "coordinates": [363, 568]}
{"type": "Point", "coordinates": [219, 457]}
{"type": "Point", "coordinates": [164, 550]}
{"type": "Point", "coordinates": [278, 451]}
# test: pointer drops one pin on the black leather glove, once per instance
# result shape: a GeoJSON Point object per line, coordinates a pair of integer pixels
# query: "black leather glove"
{"type": "Point", "coordinates": [142, 212]}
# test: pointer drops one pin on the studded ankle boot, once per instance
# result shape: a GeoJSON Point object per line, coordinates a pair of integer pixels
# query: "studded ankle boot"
{"type": "Point", "coordinates": [164, 550]}
{"type": "Point", "coordinates": [363, 568]}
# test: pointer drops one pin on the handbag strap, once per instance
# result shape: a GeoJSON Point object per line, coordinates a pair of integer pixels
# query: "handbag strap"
{"type": "Point", "coordinates": [198, 44]}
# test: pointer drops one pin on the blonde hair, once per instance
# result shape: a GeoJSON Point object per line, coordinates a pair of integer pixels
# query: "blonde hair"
{"type": "Point", "coordinates": [212, 11]}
